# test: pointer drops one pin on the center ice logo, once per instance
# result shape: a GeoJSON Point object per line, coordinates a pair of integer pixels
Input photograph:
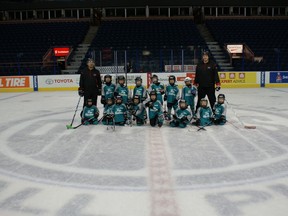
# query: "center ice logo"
{"type": "Point", "coordinates": [47, 152]}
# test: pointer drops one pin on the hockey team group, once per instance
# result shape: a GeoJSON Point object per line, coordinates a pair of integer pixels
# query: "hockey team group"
{"type": "Point", "coordinates": [123, 107]}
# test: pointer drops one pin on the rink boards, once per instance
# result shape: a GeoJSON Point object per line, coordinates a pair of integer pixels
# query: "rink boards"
{"type": "Point", "coordinates": [231, 79]}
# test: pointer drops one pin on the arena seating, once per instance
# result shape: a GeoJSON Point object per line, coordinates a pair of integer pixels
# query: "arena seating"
{"type": "Point", "coordinates": [23, 43]}
{"type": "Point", "coordinates": [266, 37]}
{"type": "Point", "coordinates": [156, 36]}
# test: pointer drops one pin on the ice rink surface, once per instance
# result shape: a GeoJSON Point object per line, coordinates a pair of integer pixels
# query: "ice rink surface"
{"type": "Point", "coordinates": [227, 170]}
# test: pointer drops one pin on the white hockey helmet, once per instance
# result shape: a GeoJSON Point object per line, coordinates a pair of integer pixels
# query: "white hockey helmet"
{"type": "Point", "coordinates": [187, 79]}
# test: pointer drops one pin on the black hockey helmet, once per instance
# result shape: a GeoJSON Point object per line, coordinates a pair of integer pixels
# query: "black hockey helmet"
{"type": "Point", "coordinates": [221, 98]}
{"type": "Point", "coordinates": [172, 77]}
{"type": "Point", "coordinates": [154, 78]}
{"type": "Point", "coordinates": [110, 100]}
{"type": "Point", "coordinates": [89, 102]}
{"type": "Point", "coordinates": [136, 99]}
{"type": "Point", "coordinates": [107, 76]}
{"type": "Point", "coordinates": [119, 99]}
{"type": "Point", "coordinates": [137, 80]}
{"type": "Point", "coordinates": [153, 92]}
{"type": "Point", "coordinates": [121, 77]}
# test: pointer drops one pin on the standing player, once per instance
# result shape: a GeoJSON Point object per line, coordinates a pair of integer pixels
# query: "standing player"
{"type": "Point", "coordinates": [90, 84]}
{"type": "Point", "coordinates": [157, 87]}
{"type": "Point", "coordinates": [90, 113]}
{"type": "Point", "coordinates": [172, 95]}
{"type": "Point", "coordinates": [139, 89]}
{"type": "Point", "coordinates": [107, 89]}
{"type": "Point", "coordinates": [204, 114]}
{"type": "Point", "coordinates": [182, 116]}
{"type": "Point", "coordinates": [156, 115]}
{"type": "Point", "coordinates": [220, 109]}
{"type": "Point", "coordinates": [189, 92]}
{"type": "Point", "coordinates": [122, 90]}
{"type": "Point", "coordinates": [206, 78]}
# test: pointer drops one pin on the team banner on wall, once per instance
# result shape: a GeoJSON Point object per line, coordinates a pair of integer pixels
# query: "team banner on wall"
{"type": "Point", "coordinates": [239, 79]}
{"type": "Point", "coordinates": [16, 83]}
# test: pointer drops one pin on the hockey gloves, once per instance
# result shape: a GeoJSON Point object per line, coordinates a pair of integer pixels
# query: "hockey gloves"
{"type": "Point", "coordinates": [193, 92]}
{"type": "Point", "coordinates": [110, 116]}
{"type": "Point", "coordinates": [149, 104]}
{"type": "Point", "coordinates": [165, 97]}
{"type": "Point", "coordinates": [80, 92]}
{"type": "Point", "coordinates": [218, 87]}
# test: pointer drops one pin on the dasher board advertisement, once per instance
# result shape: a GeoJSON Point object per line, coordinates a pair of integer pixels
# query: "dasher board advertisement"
{"type": "Point", "coordinates": [16, 83]}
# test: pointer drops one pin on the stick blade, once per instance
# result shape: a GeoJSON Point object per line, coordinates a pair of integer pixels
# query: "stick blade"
{"type": "Point", "coordinates": [250, 127]}
{"type": "Point", "coordinates": [69, 126]}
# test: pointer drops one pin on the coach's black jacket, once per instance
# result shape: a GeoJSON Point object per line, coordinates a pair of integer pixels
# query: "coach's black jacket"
{"type": "Point", "coordinates": [206, 74]}
{"type": "Point", "coordinates": [90, 81]}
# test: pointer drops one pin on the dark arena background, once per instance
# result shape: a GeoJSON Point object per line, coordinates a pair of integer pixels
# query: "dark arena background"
{"type": "Point", "coordinates": [48, 168]}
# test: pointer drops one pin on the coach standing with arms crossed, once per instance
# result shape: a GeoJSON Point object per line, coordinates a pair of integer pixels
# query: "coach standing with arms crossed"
{"type": "Point", "coordinates": [90, 84]}
{"type": "Point", "coordinates": [207, 80]}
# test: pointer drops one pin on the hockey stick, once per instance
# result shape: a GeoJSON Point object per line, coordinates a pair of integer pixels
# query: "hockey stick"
{"type": "Point", "coordinates": [242, 123]}
{"type": "Point", "coordinates": [203, 127]}
{"type": "Point", "coordinates": [74, 113]}
{"type": "Point", "coordinates": [70, 126]}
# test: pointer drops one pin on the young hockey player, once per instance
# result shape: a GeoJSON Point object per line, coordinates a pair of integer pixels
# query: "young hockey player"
{"type": "Point", "coordinates": [189, 92]}
{"type": "Point", "coordinates": [139, 89]}
{"type": "Point", "coordinates": [122, 90]}
{"type": "Point", "coordinates": [172, 95]}
{"type": "Point", "coordinates": [108, 115]}
{"type": "Point", "coordinates": [182, 116]}
{"type": "Point", "coordinates": [138, 110]}
{"type": "Point", "coordinates": [204, 114]}
{"type": "Point", "coordinates": [119, 111]}
{"type": "Point", "coordinates": [157, 87]}
{"type": "Point", "coordinates": [156, 115]}
{"type": "Point", "coordinates": [107, 89]}
{"type": "Point", "coordinates": [220, 109]}
{"type": "Point", "coordinates": [90, 113]}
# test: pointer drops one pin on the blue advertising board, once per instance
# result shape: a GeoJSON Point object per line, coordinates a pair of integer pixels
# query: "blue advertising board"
{"type": "Point", "coordinates": [279, 77]}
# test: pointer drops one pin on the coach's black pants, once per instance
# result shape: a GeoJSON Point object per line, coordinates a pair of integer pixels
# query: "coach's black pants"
{"type": "Point", "coordinates": [210, 92]}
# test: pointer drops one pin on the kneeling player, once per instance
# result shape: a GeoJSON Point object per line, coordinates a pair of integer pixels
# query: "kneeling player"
{"type": "Point", "coordinates": [119, 111]}
{"type": "Point", "coordinates": [138, 110]}
{"type": "Point", "coordinates": [204, 114]}
{"type": "Point", "coordinates": [90, 113]}
{"type": "Point", "coordinates": [182, 116]}
{"type": "Point", "coordinates": [220, 109]}
{"type": "Point", "coordinates": [108, 115]}
{"type": "Point", "coordinates": [156, 115]}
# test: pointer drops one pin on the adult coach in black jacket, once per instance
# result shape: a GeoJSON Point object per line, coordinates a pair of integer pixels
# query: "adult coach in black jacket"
{"type": "Point", "coordinates": [90, 84]}
{"type": "Point", "coordinates": [207, 80]}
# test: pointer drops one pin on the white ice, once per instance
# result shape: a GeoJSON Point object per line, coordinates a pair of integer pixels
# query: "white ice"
{"type": "Point", "coordinates": [227, 170]}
